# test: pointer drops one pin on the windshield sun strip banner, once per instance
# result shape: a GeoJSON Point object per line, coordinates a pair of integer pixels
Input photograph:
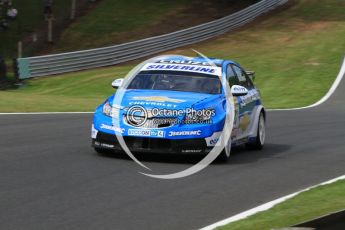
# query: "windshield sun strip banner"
{"type": "Point", "coordinates": [183, 68]}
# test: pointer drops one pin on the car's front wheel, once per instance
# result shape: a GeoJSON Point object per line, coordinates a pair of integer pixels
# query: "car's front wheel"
{"type": "Point", "coordinates": [259, 142]}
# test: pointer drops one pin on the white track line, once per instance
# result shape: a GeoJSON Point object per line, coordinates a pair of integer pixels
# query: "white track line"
{"type": "Point", "coordinates": [265, 206]}
{"type": "Point", "coordinates": [270, 204]}
{"type": "Point", "coordinates": [322, 100]}
{"type": "Point", "coordinates": [262, 207]}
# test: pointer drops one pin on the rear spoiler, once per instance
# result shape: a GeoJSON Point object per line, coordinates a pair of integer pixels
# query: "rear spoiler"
{"type": "Point", "coordinates": [251, 74]}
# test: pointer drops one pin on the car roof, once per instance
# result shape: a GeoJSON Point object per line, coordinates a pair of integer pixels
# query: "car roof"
{"type": "Point", "coordinates": [194, 60]}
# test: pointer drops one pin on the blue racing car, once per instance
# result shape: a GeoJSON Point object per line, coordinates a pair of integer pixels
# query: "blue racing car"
{"type": "Point", "coordinates": [178, 105]}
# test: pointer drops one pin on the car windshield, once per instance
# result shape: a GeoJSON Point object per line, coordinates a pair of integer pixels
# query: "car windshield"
{"type": "Point", "coordinates": [186, 82]}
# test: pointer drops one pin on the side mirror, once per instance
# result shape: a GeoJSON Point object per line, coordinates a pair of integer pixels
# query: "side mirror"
{"type": "Point", "coordinates": [238, 90]}
{"type": "Point", "coordinates": [251, 75]}
{"type": "Point", "coordinates": [117, 83]}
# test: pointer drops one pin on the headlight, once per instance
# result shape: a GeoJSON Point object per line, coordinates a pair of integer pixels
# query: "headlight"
{"type": "Point", "coordinates": [110, 110]}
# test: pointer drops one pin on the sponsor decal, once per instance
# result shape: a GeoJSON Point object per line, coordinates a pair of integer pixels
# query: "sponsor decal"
{"type": "Point", "coordinates": [240, 89]}
{"type": "Point", "coordinates": [252, 96]}
{"type": "Point", "coordinates": [189, 62]}
{"type": "Point", "coordinates": [146, 133]}
{"type": "Point", "coordinates": [183, 67]}
{"type": "Point", "coordinates": [104, 145]}
{"type": "Point", "coordinates": [185, 133]}
{"type": "Point", "coordinates": [212, 140]}
{"type": "Point", "coordinates": [113, 128]}
{"type": "Point", "coordinates": [191, 150]}
{"type": "Point", "coordinates": [152, 103]}
{"type": "Point", "coordinates": [158, 99]}
{"type": "Point", "coordinates": [244, 121]}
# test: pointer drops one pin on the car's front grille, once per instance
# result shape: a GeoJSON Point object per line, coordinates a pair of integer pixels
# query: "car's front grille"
{"type": "Point", "coordinates": [158, 144]}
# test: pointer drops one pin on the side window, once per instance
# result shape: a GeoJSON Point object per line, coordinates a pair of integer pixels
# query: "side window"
{"type": "Point", "coordinates": [231, 76]}
{"type": "Point", "coordinates": [243, 77]}
{"type": "Point", "coordinates": [249, 81]}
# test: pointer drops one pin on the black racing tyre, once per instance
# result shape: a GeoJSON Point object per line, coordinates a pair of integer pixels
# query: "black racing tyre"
{"type": "Point", "coordinates": [223, 157]}
{"type": "Point", "coordinates": [259, 142]}
{"type": "Point", "coordinates": [101, 150]}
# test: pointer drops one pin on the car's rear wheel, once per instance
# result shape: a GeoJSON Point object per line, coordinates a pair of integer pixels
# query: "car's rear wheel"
{"type": "Point", "coordinates": [259, 142]}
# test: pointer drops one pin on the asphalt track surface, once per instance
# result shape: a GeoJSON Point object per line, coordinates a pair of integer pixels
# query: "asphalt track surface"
{"type": "Point", "coordinates": [50, 177]}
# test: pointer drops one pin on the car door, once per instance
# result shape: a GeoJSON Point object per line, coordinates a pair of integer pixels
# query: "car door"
{"type": "Point", "coordinates": [246, 103]}
{"type": "Point", "coordinates": [233, 80]}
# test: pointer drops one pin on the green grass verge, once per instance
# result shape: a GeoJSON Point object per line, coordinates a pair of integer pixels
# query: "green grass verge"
{"type": "Point", "coordinates": [117, 21]}
{"type": "Point", "coordinates": [80, 91]}
{"type": "Point", "coordinates": [296, 54]}
{"type": "Point", "coordinates": [308, 205]}
{"type": "Point", "coordinates": [112, 17]}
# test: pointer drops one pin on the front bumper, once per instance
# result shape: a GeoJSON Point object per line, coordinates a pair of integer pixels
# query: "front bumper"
{"type": "Point", "coordinates": [152, 145]}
